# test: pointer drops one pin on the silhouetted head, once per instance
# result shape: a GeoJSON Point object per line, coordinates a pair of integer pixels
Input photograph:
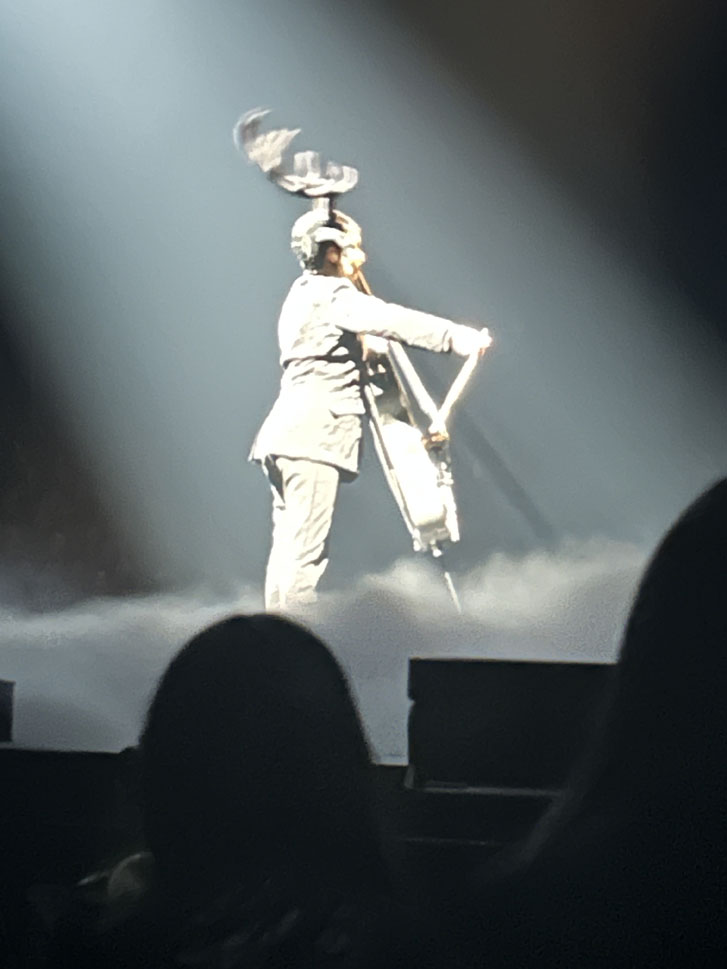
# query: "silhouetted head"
{"type": "Point", "coordinates": [667, 722]}
{"type": "Point", "coordinates": [628, 868]}
{"type": "Point", "coordinates": [253, 756]}
{"type": "Point", "coordinates": [659, 762]}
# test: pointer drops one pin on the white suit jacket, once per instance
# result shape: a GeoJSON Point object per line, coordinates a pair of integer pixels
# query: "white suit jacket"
{"type": "Point", "coordinates": [319, 408]}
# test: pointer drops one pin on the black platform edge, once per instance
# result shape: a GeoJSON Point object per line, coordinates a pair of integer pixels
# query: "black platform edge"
{"type": "Point", "coordinates": [7, 688]}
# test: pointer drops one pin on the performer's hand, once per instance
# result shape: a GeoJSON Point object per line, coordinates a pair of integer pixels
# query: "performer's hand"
{"type": "Point", "coordinates": [466, 341]}
{"type": "Point", "coordinates": [485, 340]}
{"type": "Point", "coordinates": [372, 346]}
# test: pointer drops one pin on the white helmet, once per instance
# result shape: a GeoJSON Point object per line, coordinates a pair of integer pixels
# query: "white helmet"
{"type": "Point", "coordinates": [316, 227]}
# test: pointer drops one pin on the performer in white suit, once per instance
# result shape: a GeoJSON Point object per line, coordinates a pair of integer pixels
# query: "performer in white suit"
{"type": "Point", "coordinates": [310, 440]}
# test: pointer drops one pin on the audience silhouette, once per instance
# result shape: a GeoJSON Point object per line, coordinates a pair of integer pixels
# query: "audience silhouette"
{"type": "Point", "coordinates": [628, 869]}
{"type": "Point", "coordinates": [258, 813]}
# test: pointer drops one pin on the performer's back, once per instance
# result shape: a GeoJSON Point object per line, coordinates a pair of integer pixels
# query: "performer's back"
{"type": "Point", "coordinates": [317, 415]}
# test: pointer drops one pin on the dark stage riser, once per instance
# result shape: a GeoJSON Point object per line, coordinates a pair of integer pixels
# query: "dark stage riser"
{"type": "Point", "coordinates": [6, 710]}
{"type": "Point", "coordinates": [500, 724]}
{"type": "Point", "coordinates": [63, 812]}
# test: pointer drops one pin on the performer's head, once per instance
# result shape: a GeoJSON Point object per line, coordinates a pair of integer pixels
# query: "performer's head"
{"type": "Point", "coordinates": [327, 260]}
{"type": "Point", "coordinates": [328, 244]}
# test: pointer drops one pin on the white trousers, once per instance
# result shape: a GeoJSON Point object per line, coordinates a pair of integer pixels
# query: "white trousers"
{"type": "Point", "coordinates": [304, 496]}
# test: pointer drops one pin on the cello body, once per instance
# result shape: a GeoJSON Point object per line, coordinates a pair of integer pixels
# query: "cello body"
{"type": "Point", "coordinates": [415, 460]}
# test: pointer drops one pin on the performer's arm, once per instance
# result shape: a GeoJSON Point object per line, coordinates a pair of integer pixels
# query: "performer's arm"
{"type": "Point", "coordinates": [364, 314]}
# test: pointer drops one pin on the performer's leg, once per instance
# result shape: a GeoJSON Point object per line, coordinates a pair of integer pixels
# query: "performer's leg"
{"type": "Point", "coordinates": [278, 546]}
{"type": "Point", "coordinates": [300, 547]}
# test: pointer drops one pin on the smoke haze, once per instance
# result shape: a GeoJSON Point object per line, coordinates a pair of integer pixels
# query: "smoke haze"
{"type": "Point", "coordinates": [85, 674]}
